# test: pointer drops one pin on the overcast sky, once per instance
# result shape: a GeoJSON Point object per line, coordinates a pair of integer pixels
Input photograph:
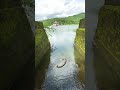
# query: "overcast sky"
{"type": "Point", "coordinates": [45, 9]}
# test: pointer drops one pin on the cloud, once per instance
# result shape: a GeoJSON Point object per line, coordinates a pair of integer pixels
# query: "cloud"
{"type": "Point", "coordinates": [45, 9]}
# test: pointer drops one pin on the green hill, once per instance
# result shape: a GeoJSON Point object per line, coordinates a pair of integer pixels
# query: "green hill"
{"type": "Point", "coordinates": [66, 20]}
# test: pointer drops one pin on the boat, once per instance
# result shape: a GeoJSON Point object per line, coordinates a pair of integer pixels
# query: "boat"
{"type": "Point", "coordinates": [62, 63]}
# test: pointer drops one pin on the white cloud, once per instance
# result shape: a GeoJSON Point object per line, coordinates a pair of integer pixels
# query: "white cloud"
{"type": "Point", "coordinates": [45, 9]}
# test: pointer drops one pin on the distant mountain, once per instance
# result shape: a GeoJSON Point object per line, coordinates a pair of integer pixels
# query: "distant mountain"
{"type": "Point", "coordinates": [66, 20]}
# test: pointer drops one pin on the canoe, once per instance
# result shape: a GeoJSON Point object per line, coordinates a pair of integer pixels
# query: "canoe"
{"type": "Point", "coordinates": [62, 63]}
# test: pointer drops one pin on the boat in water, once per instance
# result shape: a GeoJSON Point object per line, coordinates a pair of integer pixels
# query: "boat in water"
{"type": "Point", "coordinates": [62, 63]}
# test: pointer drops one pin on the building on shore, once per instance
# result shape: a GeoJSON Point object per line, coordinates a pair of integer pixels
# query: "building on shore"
{"type": "Point", "coordinates": [55, 23]}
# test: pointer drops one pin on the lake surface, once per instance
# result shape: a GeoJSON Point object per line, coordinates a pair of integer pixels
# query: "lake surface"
{"type": "Point", "coordinates": [62, 43]}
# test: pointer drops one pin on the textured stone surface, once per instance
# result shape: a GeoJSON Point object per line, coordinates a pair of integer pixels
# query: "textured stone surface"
{"type": "Point", "coordinates": [42, 44]}
{"type": "Point", "coordinates": [82, 23]}
{"type": "Point", "coordinates": [112, 2]}
{"type": "Point", "coordinates": [79, 51]}
{"type": "Point", "coordinates": [9, 3]}
{"type": "Point", "coordinates": [16, 45]}
{"type": "Point", "coordinates": [107, 48]}
{"type": "Point", "coordinates": [108, 29]}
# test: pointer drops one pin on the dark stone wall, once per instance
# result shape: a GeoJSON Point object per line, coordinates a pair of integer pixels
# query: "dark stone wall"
{"type": "Point", "coordinates": [10, 3]}
{"type": "Point", "coordinates": [16, 49]}
{"type": "Point", "coordinates": [108, 29]}
{"type": "Point", "coordinates": [112, 2]}
{"type": "Point", "coordinates": [107, 48]}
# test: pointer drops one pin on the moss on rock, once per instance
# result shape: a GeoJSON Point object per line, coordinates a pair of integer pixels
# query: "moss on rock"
{"type": "Point", "coordinates": [107, 48]}
{"type": "Point", "coordinates": [42, 44]}
{"type": "Point", "coordinates": [80, 40]}
{"type": "Point", "coordinates": [108, 29]}
{"type": "Point", "coordinates": [80, 52]}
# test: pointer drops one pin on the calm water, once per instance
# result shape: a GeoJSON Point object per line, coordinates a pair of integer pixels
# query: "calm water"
{"type": "Point", "coordinates": [62, 42]}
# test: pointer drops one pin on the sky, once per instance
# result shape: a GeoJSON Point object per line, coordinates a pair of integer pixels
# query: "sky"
{"type": "Point", "coordinates": [45, 9]}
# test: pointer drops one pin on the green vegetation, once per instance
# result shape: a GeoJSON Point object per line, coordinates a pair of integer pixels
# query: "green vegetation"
{"type": "Point", "coordinates": [80, 52]}
{"type": "Point", "coordinates": [107, 48]}
{"type": "Point", "coordinates": [67, 20]}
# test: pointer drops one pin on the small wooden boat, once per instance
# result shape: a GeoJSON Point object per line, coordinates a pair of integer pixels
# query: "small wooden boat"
{"type": "Point", "coordinates": [62, 63]}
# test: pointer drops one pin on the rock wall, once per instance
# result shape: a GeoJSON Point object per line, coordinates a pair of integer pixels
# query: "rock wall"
{"type": "Point", "coordinates": [107, 48]}
{"type": "Point", "coordinates": [39, 25]}
{"type": "Point", "coordinates": [82, 23]}
{"type": "Point", "coordinates": [79, 51]}
{"type": "Point", "coordinates": [112, 2]}
{"type": "Point", "coordinates": [10, 4]}
{"type": "Point", "coordinates": [42, 44]}
{"type": "Point", "coordinates": [80, 39]}
{"type": "Point", "coordinates": [29, 8]}
{"type": "Point", "coordinates": [16, 45]}
{"type": "Point", "coordinates": [108, 31]}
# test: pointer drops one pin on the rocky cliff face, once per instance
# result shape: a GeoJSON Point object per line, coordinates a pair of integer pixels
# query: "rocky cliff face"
{"type": "Point", "coordinates": [16, 44]}
{"type": "Point", "coordinates": [107, 48]}
{"type": "Point", "coordinates": [16, 47]}
{"type": "Point", "coordinates": [108, 28]}
{"type": "Point", "coordinates": [10, 4]}
{"type": "Point", "coordinates": [79, 49]}
{"type": "Point", "coordinates": [42, 44]}
{"type": "Point", "coordinates": [29, 8]}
